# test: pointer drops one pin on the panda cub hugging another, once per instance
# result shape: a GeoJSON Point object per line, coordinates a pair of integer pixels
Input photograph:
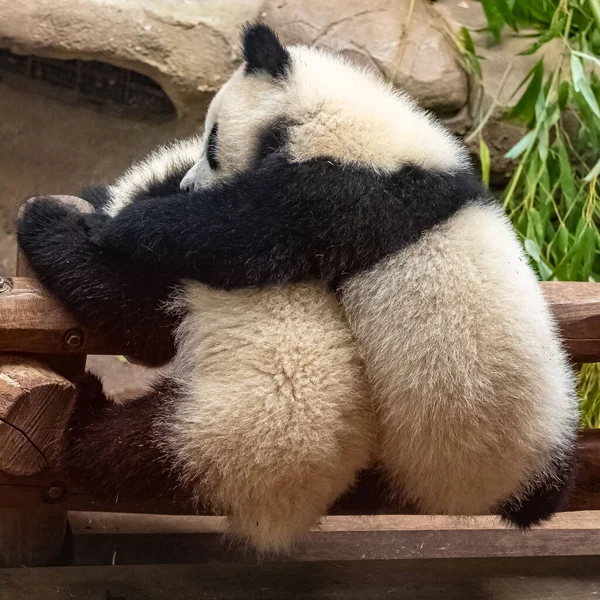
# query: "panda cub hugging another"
{"type": "Point", "coordinates": [263, 414]}
{"type": "Point", "coordinates": [314, 170]}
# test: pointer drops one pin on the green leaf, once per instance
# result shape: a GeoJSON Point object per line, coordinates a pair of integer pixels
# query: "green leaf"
{"type": "Point", "coordinates": [538, 226]}
{"type": "Point", "coordinates": [525, 108]}
{"type": "Point", "coordinates": [593, 172]}
{"type": "Point", "coordinates": [548, 35]}
{"type": "Point", "coordinates": [467, 40]}
{"type": "Point", "coordinates": [589, 240]}
{"type": "Point", "coordinates": [545, 271]}
{"type": "Point", "coordinates": [543, 142]}
{"type": "Point", "coordinates": [563, 95]}
{"type": "Point", "coordinates": [532, 249]}
{"type": "Point", "coordinates": [586, 56]}
{"type": "Point", "coordinates": [494, 18]}
{"type": "Point", "coordinates": [567, 178]}
{"type": "Point", "coordinates": [505, 10]}
{"type": "Point", "coordinates": [581, 84]}
{"type": "Point", "coordinates": [562, 240]}
{"type": "Point", "coordinates": [484, 157]}
{"type": "Point", "coordinates": [521, 146]}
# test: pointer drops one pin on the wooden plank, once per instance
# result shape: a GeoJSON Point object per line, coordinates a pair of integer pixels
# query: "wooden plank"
{"type": "Point", "coordinates": [102, 538]}
{"type": "Point", "coordinates": [34, 534]}
{"type": "Point", "coordinates": [559, 578]}
{"type": "Point", "coordinates": [368, 497]}
{"type": "Point", "coordinates": [31, 321]}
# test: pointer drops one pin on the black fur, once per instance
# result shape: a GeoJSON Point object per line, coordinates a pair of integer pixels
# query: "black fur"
{"type": "Point", "coordinates": [211, 148]}
{"type": "Point", "coordinates": [547, 497]}
{"type": "Point", "coordinates": [114, 448]}
{"type": "Point", "coordinates": [273, 138]}
{"type": "Point", "coordinates": [263, 52]}
{"type": "Point", "coordinates": [288, 222]}
{"type": "Point", "coordinates": [106, 292]}
{"type": "Point", "coordinates": [97, 195]}
{"type": "Point", "coordinates": [165, 187]}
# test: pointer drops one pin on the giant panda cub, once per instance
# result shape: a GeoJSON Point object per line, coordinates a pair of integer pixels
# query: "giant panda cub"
{"type": "Point", "coordinates": [314, 170]}
{"type": "Point", "coordinates": [264, 413]}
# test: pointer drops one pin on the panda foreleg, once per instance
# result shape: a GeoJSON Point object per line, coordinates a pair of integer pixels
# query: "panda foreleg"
{"type": "Point", "coordinates": [97, 195]}
{"type": "Point", "coordinates": [104, 291]}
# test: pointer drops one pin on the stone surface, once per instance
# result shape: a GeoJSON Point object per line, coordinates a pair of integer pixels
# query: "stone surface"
{"type": "Point", "coordinates": [190, 47]}
{"type": "Point", "coordinates": [409, 47]}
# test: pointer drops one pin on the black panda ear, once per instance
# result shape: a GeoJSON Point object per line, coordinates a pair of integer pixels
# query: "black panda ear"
{"type": "Point", "coordinates": [263, 51]}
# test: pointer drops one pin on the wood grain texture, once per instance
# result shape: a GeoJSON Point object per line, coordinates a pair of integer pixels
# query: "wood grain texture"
{"type": "Point", "coordinates": [138, 539]}
{"type": "Point", "coordinates": [35, 403]}
{"type": "Point", "coordinates": [368, 497]}
{"type": "Point", "coordinates": [548, 578]}
{"type": "Point", "coordinates": [31, 321]}
{"type": "Point", "coordinates": [32, 536]}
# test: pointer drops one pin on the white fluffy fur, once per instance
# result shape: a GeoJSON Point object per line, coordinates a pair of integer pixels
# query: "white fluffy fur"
{"type": "Point", "coordinates": [276, 419]}
{"type": "Point", "coordinates": [340, 110]}
{"type": "Point", "coordinates": [472, 388]}
{"type": "Point", "coordinates": [155, 168]}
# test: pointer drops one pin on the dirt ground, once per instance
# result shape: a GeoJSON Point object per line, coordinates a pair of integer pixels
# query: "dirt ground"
{"type": "Point", "coordinates": [48, 146]}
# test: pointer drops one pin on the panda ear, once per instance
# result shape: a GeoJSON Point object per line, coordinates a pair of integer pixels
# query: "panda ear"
{"type": "Point", "coordinates": [263, 52]}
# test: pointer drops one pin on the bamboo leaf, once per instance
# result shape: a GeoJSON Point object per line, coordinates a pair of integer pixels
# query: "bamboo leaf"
{"type": "Point", "coordinates": [494, 18]}
{"type": "Point", "coordinates": [521, 146]}
{"type": "Point", "coordinates": [548, 35]}
{"type": "Point", "coordinates": [562, 239]}
{"type": "Point", "coordinates": [484, 156]}
{"type": "Point", "coordinates": [543, 142]}
{"type": "Point", "coordinates": [581, 84]}
{"type": "Point", "coordinates": [586, 56]}
{"type": "Point", "coordinates": [525, 108]}
{"type": "Point", "coordinates": [563, 95]}
{"type": "Point", "coordinates": [594, 172]}
{"type": "Point", "coordinates": [532, 249]}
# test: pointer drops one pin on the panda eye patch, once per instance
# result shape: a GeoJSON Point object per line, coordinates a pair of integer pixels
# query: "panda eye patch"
{"type": "Point", "coordinates": [211, 149]}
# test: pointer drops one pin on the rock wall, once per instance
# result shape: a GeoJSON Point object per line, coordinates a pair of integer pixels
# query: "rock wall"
{"type": "Point", "coordinates": [190, 47]}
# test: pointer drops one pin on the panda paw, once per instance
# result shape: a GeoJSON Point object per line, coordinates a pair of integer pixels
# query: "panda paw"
{"type": "Point", "coordinates": [50, 231]}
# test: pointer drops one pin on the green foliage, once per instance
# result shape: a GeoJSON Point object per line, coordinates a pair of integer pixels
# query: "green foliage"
{"type": "Point", "coordinates": [553, 196]}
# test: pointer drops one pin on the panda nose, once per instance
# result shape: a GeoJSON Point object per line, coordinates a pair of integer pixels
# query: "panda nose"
{"type": "Point", "coordinates": [187, 183]}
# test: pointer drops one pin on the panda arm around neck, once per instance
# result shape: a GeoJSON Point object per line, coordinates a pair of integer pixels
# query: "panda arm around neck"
{"type": "Point", "coordinates": [288, 221]}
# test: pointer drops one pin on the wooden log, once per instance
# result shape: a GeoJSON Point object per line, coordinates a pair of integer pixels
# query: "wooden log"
{"type": "Point", "coordinates": [31, 321]}
{"type": "Point", "coordinates": [35, 403]}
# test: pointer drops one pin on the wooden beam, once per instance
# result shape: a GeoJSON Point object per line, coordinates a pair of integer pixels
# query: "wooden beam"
{"type": "Point", "coordinates": [101, 538]}
{"type": "Point", "coordinates": [31, 321]}
{"type": "Point", "coordinates": [550, 578]}
{"type": "Point", "coordinates": [368, 497]}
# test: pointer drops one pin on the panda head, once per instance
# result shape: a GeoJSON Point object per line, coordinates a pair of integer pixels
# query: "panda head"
{"type": "Point", "coordinates": [310, 103]}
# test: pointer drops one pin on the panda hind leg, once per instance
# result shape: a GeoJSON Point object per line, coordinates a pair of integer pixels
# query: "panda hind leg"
{"type": "Point", "coordinates": [548, 495]}
{"type": "Point", "coordinates": [114, 449]}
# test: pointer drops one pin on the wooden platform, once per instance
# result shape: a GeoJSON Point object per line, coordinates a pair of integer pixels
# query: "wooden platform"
{"type": "Point", "coordinates": [454, 579]}
{"type": "Point", "coordinates": [398, 554]}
